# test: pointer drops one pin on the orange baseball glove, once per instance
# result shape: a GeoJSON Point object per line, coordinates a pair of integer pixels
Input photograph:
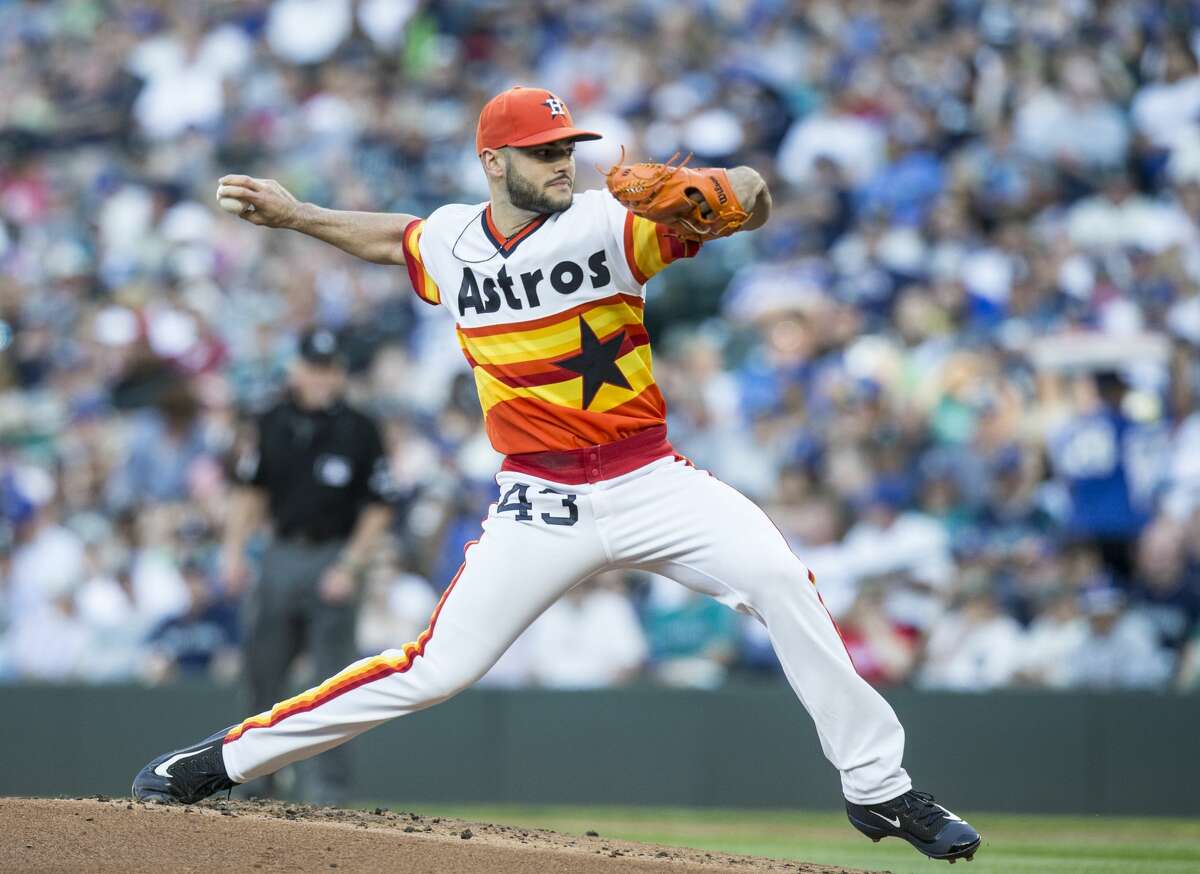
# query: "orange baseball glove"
{"type": "Point", "coordinates": [698, 204]}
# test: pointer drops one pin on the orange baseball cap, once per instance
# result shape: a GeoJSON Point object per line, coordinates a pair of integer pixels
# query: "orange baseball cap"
{"type": "Point", "coordinates": [526, 117]}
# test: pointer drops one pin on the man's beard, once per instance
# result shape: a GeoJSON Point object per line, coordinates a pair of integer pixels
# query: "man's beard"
{"type": "Point", "coordinates": [523, 194]}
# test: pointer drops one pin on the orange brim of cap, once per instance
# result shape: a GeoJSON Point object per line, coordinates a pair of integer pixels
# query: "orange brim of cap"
{"type": "Point", "coordinates": [553, 135]}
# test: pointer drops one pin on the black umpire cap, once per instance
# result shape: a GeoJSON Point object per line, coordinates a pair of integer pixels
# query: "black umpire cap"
{"type": "Point", "coordinates": [321, 346]}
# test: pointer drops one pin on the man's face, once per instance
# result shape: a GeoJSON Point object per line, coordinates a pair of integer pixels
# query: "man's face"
{"type": "Point", "coordinates": [540, 178]}
{"type": "Point", "coordinates": [317, 385]}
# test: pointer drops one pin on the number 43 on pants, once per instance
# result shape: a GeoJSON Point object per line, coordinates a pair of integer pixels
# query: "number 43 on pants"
{"type": "Point", "coordinates": [517, 499]}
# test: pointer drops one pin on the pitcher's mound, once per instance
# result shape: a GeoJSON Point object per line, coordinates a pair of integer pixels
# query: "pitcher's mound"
{"type": "Point", "coordinates": [114, 835]}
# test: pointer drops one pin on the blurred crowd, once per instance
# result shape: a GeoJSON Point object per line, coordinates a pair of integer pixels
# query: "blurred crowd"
{"type": "Point", "coordinates": [958, 367]}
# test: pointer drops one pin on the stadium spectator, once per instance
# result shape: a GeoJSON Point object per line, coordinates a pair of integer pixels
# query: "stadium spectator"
{"type": "Point", "coordinates": [396, 605]}
{"type": "Point", "coordinates": [47, 560]}
{"type": "Point", "coordinates": [1120, 650]}
{"type": "Point", "coordinates": [975, 646]}
{"type": "Point", "coordinates": [884, 652]}
{"type": "Point", "coordinates": [589, 639]}
{"type": "Point", "coordinates": [1057, 632]}
{"type": "Point", "coordinates": [692, 639]}
{"type": "Point", "coordinates": [1104, 458]}
{"type": "Point", "coordinates": [1167, 589]}
{"type": "Point", "coordinates": [200, 642]}
{"type": "Point", "coordinates": [908, 548]}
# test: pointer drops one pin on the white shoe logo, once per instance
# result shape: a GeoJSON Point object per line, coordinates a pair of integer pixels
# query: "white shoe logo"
{"type": "Point", "coordinates": [950, 816]}
{"type": "Point", "coordinates": [895, 822]}
{"type": "Point", "coordinates": [163, 770]}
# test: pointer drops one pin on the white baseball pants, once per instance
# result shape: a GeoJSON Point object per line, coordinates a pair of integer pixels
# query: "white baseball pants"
{"type": "Point", "coordinates": [539, 540]}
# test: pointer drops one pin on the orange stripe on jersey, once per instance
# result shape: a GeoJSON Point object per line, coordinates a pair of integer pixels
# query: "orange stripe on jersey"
{"type": "Point", "coordinates": [568, 392]}
{"type": "Point", "coordinates": [649, 247]}
{"type": "Point", "coordinates": [546, 370]}
{"type": "Point", "coordinates": [527, 425]}
{"type": "Point", "coordinates": [551, 338]}
{"type": "Point", "coordinates": [358, 674]}
{"type": "Point", "coordinates": [507, 244]}
{"type": "Point", "coordinates": [422, 282]}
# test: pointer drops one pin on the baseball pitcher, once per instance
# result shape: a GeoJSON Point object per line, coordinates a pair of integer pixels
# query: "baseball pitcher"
{"type": "Point", "coordinates": [547, 289]}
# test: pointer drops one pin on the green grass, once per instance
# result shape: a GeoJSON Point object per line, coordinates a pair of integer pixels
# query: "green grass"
{"type": "Point", "coordinates": [1012, 844]}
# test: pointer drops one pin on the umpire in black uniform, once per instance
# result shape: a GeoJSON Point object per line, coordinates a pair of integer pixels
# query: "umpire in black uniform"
{"type": "Point", "coordinates": [318, 472]}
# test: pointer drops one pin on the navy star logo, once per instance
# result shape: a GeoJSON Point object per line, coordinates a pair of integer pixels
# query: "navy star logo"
{"type": "Point", "coordinates": [596, 361]}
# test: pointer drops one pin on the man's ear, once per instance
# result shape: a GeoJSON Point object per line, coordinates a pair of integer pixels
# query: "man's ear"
{"type": "Point", "coordinates": [493, 163]}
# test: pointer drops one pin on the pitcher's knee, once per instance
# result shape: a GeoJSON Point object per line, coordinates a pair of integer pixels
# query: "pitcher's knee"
{"type": "Point", "coordinates": [776, 577]}
{"type": "Point", "coordinates": [446, 678]}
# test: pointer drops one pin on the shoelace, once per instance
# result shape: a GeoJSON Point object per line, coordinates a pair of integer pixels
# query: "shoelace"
{"type": "Point", "coordinates": [922, 809]}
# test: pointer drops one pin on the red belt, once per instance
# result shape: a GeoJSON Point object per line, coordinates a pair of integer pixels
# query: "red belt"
{"type": "Point", "coordinates": [594, 463]}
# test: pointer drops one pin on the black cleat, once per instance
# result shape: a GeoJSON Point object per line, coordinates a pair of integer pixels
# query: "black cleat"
{"type": "Point", "coordinates": [914, 816]}
{"type": "Point", "coordinates": [185, 776]}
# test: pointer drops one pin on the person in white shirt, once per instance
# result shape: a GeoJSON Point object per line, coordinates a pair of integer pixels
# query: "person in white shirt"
{"type": "Point", "coordinates": [588, 639]}
{"type": "Point", "coordinates": [1121, 649]}
{"type": "Point", "coordinates": [1055, 634]}
{"type": "Point", "coordinates": [974, 648]}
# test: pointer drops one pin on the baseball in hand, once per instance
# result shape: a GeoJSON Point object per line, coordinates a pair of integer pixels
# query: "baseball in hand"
{"type": "Point", "coordinates": [235, 206]}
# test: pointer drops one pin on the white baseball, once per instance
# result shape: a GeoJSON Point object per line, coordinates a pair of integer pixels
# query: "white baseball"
{"type": "Point", "coordinates": [235, 206]}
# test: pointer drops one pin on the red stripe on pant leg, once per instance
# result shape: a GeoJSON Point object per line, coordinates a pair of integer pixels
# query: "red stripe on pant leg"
{"type": "Point", "coordinates": [812, 579]}
{"type": "Point", "coordinates": [841, 636]}
{"type": "Point", "coordinates": [368, 674]}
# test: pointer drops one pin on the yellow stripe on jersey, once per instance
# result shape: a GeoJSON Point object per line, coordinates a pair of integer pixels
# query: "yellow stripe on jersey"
{"type": "Point", "coordinates": [646, 253]}
{"type": "Point", "coordinates": [649, 247]}
{"type": "Point", "coordinates": [552, 341]}
{"type": "Point", "coordinates": [636, 365]}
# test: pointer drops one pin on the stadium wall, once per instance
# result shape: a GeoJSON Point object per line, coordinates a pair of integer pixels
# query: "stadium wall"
{"type": "Point", "coordinates": [737, 747]}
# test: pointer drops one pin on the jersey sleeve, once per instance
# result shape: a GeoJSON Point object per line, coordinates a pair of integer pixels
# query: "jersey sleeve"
{"type": "Point", "coordinates": [418, 274]}
{"type": "Point", "coordinates": [648, 246]}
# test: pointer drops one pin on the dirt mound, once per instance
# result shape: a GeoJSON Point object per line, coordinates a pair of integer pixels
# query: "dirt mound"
{"type": "Point", "coordinates": [109, 834]}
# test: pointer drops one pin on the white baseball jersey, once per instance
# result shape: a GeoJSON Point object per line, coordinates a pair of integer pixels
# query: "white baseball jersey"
{"type": "Point", "coordinates": [550, 319]}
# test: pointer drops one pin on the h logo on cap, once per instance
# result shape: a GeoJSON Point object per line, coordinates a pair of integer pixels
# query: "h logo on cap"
{"type": "Point", "coordinates": [557, 107]}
